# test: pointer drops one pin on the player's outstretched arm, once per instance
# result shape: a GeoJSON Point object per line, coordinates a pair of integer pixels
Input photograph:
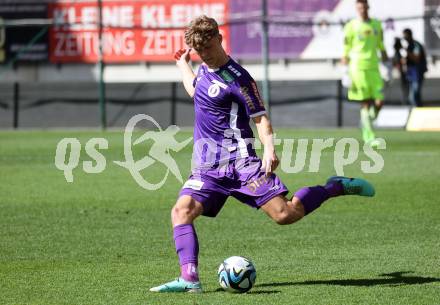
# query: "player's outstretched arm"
{"type": "Point", "coordinates": [265, 133]}
{"type": "Point", "coordinates": [182, 58]}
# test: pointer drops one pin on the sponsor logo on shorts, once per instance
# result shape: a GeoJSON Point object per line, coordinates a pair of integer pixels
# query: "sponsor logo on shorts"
{"type": "Point", "coordinates": [254, 184]}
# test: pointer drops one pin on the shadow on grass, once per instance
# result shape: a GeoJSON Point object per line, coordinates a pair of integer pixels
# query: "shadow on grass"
{"type": "Point", "coordinates": [395, 278]}
{"type": "Point", "coordinates": [263, 292]}
{"type": "Point", "coordinates": [219, 290]}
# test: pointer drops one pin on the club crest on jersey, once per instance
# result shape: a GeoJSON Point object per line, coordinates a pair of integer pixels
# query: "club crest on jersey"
{"type": "Point", "coordinates": [214, 89]}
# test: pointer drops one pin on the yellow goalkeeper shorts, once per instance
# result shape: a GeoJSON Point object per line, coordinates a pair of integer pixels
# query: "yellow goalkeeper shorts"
{"type": "Point", "coordinates": [365, 85]}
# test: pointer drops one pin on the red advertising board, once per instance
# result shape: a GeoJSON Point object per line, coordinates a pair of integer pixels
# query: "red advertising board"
{"type": "Point", "coordinates": [133, 31]}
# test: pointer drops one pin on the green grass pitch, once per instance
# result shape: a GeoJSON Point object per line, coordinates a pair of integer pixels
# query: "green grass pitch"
{"type": "Point", "coordinates": [104, 240]}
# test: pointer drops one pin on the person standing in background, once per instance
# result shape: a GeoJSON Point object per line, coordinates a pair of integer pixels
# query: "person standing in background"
{"type": "Point", "coordinates": [363, 38]}
{"type": "Point", "coordinates": [414, 61]}
{"type": "Point", "coordinates": [398, 64]}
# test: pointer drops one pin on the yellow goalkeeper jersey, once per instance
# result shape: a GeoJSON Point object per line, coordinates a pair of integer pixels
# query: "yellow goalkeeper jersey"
{"type": "Point", "coordinates": [362, 42]}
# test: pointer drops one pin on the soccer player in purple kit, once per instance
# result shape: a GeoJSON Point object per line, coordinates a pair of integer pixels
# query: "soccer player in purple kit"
{"type": "Point", "coordinates": [224, 160]}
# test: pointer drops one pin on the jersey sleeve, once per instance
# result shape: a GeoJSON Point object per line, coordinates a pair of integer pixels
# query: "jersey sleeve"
{"type": "Point", "coordinates": [348, 39]}
{"type": "Point", "coordinates": [380, 44]}
{"type": "Point", "coordinates": [199, 73]}
{"type": "Point", "coordinates": [246, 93]}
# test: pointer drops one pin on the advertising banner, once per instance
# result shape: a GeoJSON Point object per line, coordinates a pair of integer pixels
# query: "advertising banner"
{"type": "Point", "coordinates": [314, 29]}
{"type": "Point", "coordinates": [24, 43]}
{"type": "Point", "coordinates": [151, 31]}
{"type": "Point", "coordinates": [286, 40]}
{"type": "Point", "coordinates": [133, 31]}
{"type": "Point", "coordinates": [424, 119]}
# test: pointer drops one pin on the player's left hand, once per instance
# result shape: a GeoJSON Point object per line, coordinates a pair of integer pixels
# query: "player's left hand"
{"type": "Point", "coordinates": [269, 163]}
{"type": "Point", "coordinates": [389, 70]}
{"type": "Point", "coordinates": [182, 57]}
{"type": "Point", "coordinates": [346, 79]}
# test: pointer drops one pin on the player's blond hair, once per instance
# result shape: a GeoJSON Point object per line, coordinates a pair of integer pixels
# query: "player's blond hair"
{"type": "Point", "coordinates": [200, 31]}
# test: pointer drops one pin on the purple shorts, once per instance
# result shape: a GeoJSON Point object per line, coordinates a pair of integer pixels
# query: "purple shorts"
{"type": "Point", "coordinates": [241, 179]}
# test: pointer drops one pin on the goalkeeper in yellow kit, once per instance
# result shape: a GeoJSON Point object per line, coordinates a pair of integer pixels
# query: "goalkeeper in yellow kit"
{"type": "Point", "coordinates": [363, 39]}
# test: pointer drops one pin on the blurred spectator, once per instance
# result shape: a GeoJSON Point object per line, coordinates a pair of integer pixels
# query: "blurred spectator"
{"type": "Point", "coordinates": [414, 60]}
{"type": "Point", "coordinates": [398, 64]}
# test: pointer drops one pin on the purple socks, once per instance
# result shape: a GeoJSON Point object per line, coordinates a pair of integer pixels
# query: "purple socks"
{"type": "Point", "coordinates": [334, 189]}
{"type": "Point", "coordinates": [187, 248]}
{"type": "Point", "coordinates": [189, 272]}
{"type": "Point", "coordinates": [313, 196]}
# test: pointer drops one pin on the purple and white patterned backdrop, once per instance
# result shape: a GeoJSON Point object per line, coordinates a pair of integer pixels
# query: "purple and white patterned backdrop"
{"type": "Point", "coordinates": [285, 40]}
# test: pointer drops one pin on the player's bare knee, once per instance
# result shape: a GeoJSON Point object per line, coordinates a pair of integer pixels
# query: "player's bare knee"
{"type": "Point", "coordinates": [175, 213]}
{"type": "Point", "coordinates": [180, 212]}
{"type": "Point", "coordinates": [285, 218]}
{"type": "Point", "coordinates": [184, 211]}
{"type": "Point", "coordinates": [290, 214]}
{"type": "Point", "coordinates": [297, 207]}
